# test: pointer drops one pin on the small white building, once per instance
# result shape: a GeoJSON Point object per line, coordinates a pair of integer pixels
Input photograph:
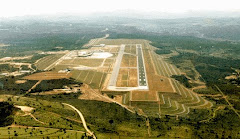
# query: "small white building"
{"type": "Point", "coordinates": [4, 74]}
{"type": "Point", "coordinates": [102, 45]}
{"type": "Point", "coordinates": [24, 71]}
{"type": "Point", "coordinates": [84, 53]}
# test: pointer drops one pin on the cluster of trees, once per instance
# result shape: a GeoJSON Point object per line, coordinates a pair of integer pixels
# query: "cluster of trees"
{"type": "Point", "coordinates": [10, 86]}
{"type": "Point", "coordinates": [7, 67]}
{"type": "Point", "coordinates": [47, 85]}
{"type": "Point", "coordinates": [182, 79]}
{"type": "Point", "coordinates": [211, 68]}
{"type": "Point", "coordinates": [6, 113]}
{"type": "Point", "coordinates": [162, 51]}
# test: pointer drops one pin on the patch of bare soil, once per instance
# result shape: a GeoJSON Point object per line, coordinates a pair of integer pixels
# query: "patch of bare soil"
{"type": "Point", "coordinates": [4, 45]}
{"type": "Point", "coordinates": [90, 94]}
{"type": "Point", "coordinates": [25, 108]}
{"type": "Point", "coordinates": [231, 77]}
{"type": "Point", "coordinates": [118, 98]}
{"type": "Point", "coordinates": [20, 81]}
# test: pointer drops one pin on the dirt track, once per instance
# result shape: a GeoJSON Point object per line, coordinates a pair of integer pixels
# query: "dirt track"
{"type": "Point", "coordinates": [83, 120]}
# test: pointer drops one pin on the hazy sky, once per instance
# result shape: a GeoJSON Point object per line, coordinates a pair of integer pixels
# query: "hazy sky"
{"type": "Point", "coordinates": [36, 7]}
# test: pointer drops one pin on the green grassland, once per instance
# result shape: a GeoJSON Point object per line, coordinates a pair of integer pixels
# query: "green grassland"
{"type": "Point", "coordinates": [105, 119]}
{"type": "Point", "coordinates": [81, 61]}
{"type": "Point", "coordinates": [50, 113]}
{"type": "Point", "coordinates": [38, 132]}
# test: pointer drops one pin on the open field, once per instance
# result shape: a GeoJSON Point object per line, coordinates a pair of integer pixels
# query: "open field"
{"type": "Point", "coordinates": [4, 59]}
{"type": "Point", "coordinates": [61, 67]}
{"type": "Point", "coordinates": [144, 96]}
{"type": "Point", "coordinates": [150, 108]}
{"type": "Point", "coordinates": [82, 61]}
{"type": "Point", "coordinates": [132, 79]}
{"type": "Point", "coordinates": [122, 79]}
{"type": "Point", "coordinates": [114, 50]}
{"type": "Point", "coordinates": [156, 82]}
{"type": "Point", "coordinates": [120, 41]}
{"type": "Point", "coordinates": [93, 78]}
{"type": "Point", "coordinates": [163, 68]}
{"type": "Point", "coordinates": [47, 76]}
{"type": "Point", "coordinates": [47, 61]}
{"type": "Point", "coordinates": [129, 61]}
{"type": "Point", "coordinates": [130, 49]}
{"type": "Point", "coordinates": [108, 62]}
{"type": "Point", "coordinates": [127, 48]}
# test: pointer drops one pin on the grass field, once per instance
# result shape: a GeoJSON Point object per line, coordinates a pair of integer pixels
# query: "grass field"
{"type": "Point", "coordinates": [38, 132]}
{"type": "Point", "coordinates": [127, 78]}
{"type": "Point", "coordinates": [129, 61]}
{"type": "Point", "coordinates": [61, 67]}
{"type": "Point", "coordinates": [108, 62]}
{"type": "Point", "coordinates": [144, 96]}
{"type": "Point", "coordinates": [179, 102]}
{"type": "Point", "coordinates": [47, 61]}
{"type": "Point", "coordinates": [120, 41]}
{"type": "Point", "coordinates": [93, 78]}
{"type": "Point", "coordinates": [171, 107]}
{"type": "Point", "coordinates": [133, 79]}
{"type": "Point", "coordinates": [130, 48]}
{"type": "Point", "coordinates": [133, 49]}
{"type": "Point", "coordinates": [149, 108]}
{"type": "Point", "coordinates": [122, 80]}
{"type": "Point", "coordinates": [82, 61]}
{"type": "Point", "coordinates": [114, 50]}
{"type": "Point", "coordinates": [164, 68]}
{"type": "Point", "coordinates": [127, 48]}
{"type": "Point", "coordinates": [155, 82]}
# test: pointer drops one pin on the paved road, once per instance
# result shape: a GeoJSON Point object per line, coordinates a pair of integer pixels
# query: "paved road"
{"type": "Point", "coordinates": [113, 79]}
{"type": "Point", "coordinates": [83, 120]}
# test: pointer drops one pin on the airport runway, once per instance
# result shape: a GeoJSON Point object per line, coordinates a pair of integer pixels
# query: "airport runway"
{"type": "Point", "coordinates": [142, 78]}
